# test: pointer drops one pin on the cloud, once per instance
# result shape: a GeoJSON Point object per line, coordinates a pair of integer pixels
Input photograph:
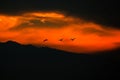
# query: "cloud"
{"type": "Point", "coordinates": [34, 27]}
{"type": "Point", "coordinates": [101, 12]}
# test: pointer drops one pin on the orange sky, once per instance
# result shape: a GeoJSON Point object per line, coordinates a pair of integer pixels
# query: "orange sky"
{"type": "Point", "coordinates": [33, 28]}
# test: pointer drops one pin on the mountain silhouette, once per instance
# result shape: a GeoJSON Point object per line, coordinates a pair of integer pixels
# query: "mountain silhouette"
{"type": "Point", "coordinates": [24, 62]}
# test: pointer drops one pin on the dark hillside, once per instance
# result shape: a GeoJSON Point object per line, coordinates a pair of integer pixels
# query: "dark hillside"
{"type": "Point", "coordinates": [24, 62]}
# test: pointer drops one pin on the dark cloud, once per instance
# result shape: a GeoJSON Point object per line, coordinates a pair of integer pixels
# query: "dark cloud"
{"type": "Point", "coordinates": [99, 32]}
{"type": "Point", "coordinates": [103, 12]}
{"type": "Point", "coordinates": [39, 24]}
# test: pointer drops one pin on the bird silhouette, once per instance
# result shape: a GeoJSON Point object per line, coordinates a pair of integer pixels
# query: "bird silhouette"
{"type": "Point", "coordinates": [45, 40]}
{"type": "Point", "coordinates": [60, 39]}
{"type": "Point", "coordinates": [73, 39]}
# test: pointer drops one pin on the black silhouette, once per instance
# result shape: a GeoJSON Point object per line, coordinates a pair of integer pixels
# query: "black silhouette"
{"type": "Point", "coordinates": [29, 62]}
{"type": "Point", "coordinates": [45, 40]}
{"type": "Point", "coordinates": [73, 39]}
{"type": "Point", "coordinates": [60, 39]}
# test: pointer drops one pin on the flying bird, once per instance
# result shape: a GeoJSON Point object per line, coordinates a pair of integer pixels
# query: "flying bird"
{"type": "Point", "coordinates": [60, 39]}
{"type": "Point", "coordinates": [45, 40]}
{"type": "Point", "coordinates": [73, 39]}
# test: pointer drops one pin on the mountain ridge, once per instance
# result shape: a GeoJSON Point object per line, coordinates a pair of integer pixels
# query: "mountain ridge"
{"type": "Point", "coordinates": [24, 62]}
{"type": "Point", "coordinates": [17, 45]}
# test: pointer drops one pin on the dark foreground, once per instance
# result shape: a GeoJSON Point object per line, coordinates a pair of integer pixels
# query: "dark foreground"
{"type": "Point", "coordinates": [20, 62]}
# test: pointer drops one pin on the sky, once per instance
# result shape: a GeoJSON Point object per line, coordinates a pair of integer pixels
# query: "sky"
{"type": "Point", "coordinates": [80, 26]}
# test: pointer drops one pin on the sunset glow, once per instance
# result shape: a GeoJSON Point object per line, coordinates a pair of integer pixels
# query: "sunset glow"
{"type": "Point", "coordinates": [66, 33]}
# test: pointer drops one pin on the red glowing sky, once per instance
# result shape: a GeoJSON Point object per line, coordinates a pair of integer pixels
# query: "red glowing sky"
{"type": "Point", "coordinates": [33, 28]}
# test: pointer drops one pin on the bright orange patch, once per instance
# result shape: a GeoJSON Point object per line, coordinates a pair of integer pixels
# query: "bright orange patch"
{"type": "Point", "coordinates": [62, 32]}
